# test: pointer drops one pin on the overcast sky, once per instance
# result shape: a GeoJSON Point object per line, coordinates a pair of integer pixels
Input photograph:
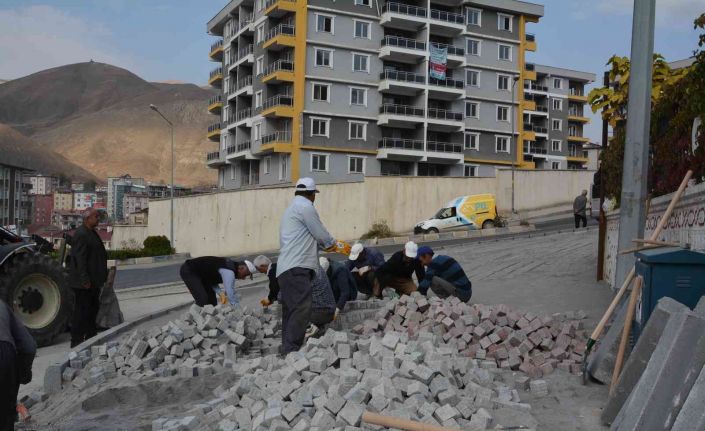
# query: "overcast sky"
{"type": "Point", "coordinates": [163, 40]}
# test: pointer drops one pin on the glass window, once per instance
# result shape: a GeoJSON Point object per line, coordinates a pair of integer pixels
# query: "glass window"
{"type": "Point", "coordinates": [362, 29]}
{"type": "Point", "coordinates": [472, 109]}
{"type": "Point", "coordinates": [502, 113]}
{"type": "Point", "coordinates": [357, 130]}
{"type": "Point", "coordinates": [324, 57]}
{"type": "Point", "coordinates": [267, 164]}
{"type": "Point", "coordinates": [555, 124]}
{"type": "Point", "coordinates": [501, 144]}
{"type": "Point", "coordinates": [473, 47]}
{"type": "Point", "coordinates": [470, 170]}
{"type": "Point", "coordinates": [319, 127]}
{"type": "Point", "coordinates": [358, 96]}
{"type": "Point", "coordinates": [557, 83]}
{"type": "Point", "coordinates": [319, 162]}
{"type": "Point", "coordinates": [472, 78]}
{"type": "Point", "coordinates": [504, 22]}
{"type": "Point", "coordinates": [472, 141]}
{"type": "Point", "coordinates": [361, 62]}
{"type": "Point", "coordinates": [282, 167]}
{"type": "Point", "coordinates": [474, 16]}
{"type": "Point", "coordinates": [324, 23]}
{"type": "Point", "coordinates": [363, 2]}
{"type": "Point", "coordinates": [321, 92]}
{"type": "Point", "coordinates": [555, 145]}
{"type": "Point", "coordinates": [505, 52]}
{"type": "Point", "coordinates": [502, 82]}
{"type": "Point", "coordinates": [555, 165]}
{"type": "Point", "coordinates": [557, 105]}
{"type": "Point", "coordinates": [355, 165]}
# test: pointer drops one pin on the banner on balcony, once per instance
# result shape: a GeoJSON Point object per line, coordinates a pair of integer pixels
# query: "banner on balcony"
{"type": "Point", "coordinates": [439, 59]}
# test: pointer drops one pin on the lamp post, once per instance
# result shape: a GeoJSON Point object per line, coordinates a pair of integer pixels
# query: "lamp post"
{"type": "Point", "coordinates": [512, 139]}
{"type": "Point", "coordinates": [171, 196]}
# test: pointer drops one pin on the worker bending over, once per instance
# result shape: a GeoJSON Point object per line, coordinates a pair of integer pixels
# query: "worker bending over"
{"type": "Point", "coordinates": [367, 261]}
{"type": "Point", "coordinates": [342, 282]}
{"type": "Point", "coordinates": [265, 266]}
{"type": "Point", "coordinates": [323, 309]}
{"type": "Point", "coordinates": [444, 276]}
{"type": "Point", "coordinates": [203, 274]}
{"type": "Point", "coordinates": [396, 272]}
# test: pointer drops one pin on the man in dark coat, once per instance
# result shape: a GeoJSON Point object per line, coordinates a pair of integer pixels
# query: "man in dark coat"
{"type": "Point", "coordinates": [89, 271]}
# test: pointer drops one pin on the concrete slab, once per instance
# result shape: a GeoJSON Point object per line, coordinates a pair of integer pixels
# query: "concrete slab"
{"type": "Point", "coordinates": [601, 361]}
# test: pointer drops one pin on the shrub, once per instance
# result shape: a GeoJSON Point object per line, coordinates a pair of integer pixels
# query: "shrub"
{"type": "Point", "coordinates": [129, 253]}
{"type": "Point", "coordinates": [379, 229]}
{"type": "Point", "coordinates": [157, 246]}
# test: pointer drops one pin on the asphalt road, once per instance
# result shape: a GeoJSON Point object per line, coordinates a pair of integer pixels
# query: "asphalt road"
{"type": "Point", "coordinates": [143, 275]}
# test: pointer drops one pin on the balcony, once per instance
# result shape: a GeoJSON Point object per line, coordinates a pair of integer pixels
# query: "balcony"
{"type": "Point", "coordinates": [577, 117]}
{"type": "Point", "coordinates": [443, 152]}
{"type": "Point", "coordinates": [241, 87]}
{"type": "Point", "coordinates": [456, 55]}
{"type": "Point", "coordinates": [240, 151]}
{"type": "Point", "coordinates": [533, 87]}
{"type": "Point", "coordinates": [530, 72]}
{"type": "Point", "coordinates": [577, 137]}
{"type": "Point", "coordinates": [442, 120]}
{"type": "Point", "coordinates": [447, 23]}
{"type": "Point", "coordinates": [280, 37]}
{"type": "Point", "coordinates": [403, 16]}
{"type": "Point", "coordinates": [536, 129]}
{"type": "Point", "coordinates": [534, 149]}
{"type": "Point", "coordinates": [245, 55]}
{"type": "Point", "coordinates": [215, 104]}
{"type": "Point", "coordinates": [400, 116]}
{"type": "Point", "coordinates": [277, 142]}
{"type": "Point", "coordinates": [530, 42]}
{"type": "Point", "coordinates": [400, 82]}
{"type": "Point", "coordinates": [402, 50]}
{"type": "Point", "coordinates": [446, 89]}
{"type": "Point", "coordinates": [216, 52]}
{"type": "Point", "coordinates": [243, 118]}
{"type": "Point", "coordinates": [576, 95]}
{"type": "Point", "coordinates": [214, 132]}
{"type": "Point", "coordinates": [278, 72]}
{"type": "Point", "coordinates": [278, 106]}
{"type": "Point", "coordinates": [411, 150]}
{"type": "Point", "coordinates": [576, 155]}
{"type": "Point", "coordinates": [216, 77]}
{"type": "Point", "coordinates": [279, 8]}
{"type": "Point", "coordinates": [213, 159]}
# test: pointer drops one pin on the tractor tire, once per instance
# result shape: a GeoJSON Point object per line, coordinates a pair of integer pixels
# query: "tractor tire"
{"type": "Point", "coordinates": [37, 288]}
{"type": "Point", "coordinates": [488, 224]}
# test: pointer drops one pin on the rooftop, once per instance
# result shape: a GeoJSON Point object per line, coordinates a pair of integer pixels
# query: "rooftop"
{"type": "Point", "coordinates": [575, 75]}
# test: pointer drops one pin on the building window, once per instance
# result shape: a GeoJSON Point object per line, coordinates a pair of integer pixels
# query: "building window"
{"type": "Point", "coordinates": [356, 165]}
{"type": "Point", "coordinates": [470, 170]}
{"type": "Point", "coordinates": [258, 99]}
{"type": "Point", "coordinates": [473, 46]}
{"type": "Point", "coordinates": [501, 144]}
{"type": "Point", "coordinates": [472, 78]}
{"type": "Point", "coordinates": [505, 52]}
{"type": "Point", "coordinates": [358, 96]}
{"type": "Point", "coordinates": [556, 124]}
{"type": "Point", "coordinates": [363, 3]}
{"type": "Point", "coordinates": [504, 22]}
{"type": "Point", "coordinates": [320, 126]}
{"type": "Point", "coordinates": [555, 165]}
{"type": "Point", "coordinates": [259, 66]}
{"type": "Point", "coordinates": [472, 109]}
{"type": "Point", "coordinates": [557, 104]}
{"type": "Point", "coordinates": [267, 165]}
{"type": "Point", "coordinates": [232, 172]}
{"type": "Point", "coordinates": [557, 83]}
{"type": "Point", "coordinates": [282, 167]}
{"type": "Point", "coordinates": [362, 29]}
{"type": "Point", "coordinates": [319, 162]}
{"type": "Point", "coordinates": [556, 145]}
{"type": "Point", "coordinates": [502, 113]}
{"type": "Point", "coordinates": [321, 92]}
{"type": "Point", "coordinates": [357, 130]}
{"type": "Point", "coordinates": [324, 57]}
{"type": "Point", "coordinates": [361, 62]}
{"type": "Point", "coordinates": [472, 141]}
{"type": "Point", "coordinates": [503, 82]}
{"type": "Point", "coordinates": [324, 23]}
{"type": "Point", "coordinates": [257, 133]}
{"type": "Point", "coordinates": [260, 33]}
{"type": "Point", "coordinates": [474, 16]}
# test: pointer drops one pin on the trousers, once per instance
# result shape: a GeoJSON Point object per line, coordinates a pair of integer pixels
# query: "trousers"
{"type": "Point", "coordinates": [578, 218]}
{"type": "Point", "coordinates": [202, 294]}
{"type": "Point", "coordinates": [10, 385]}
{"type": "Point", "coordinates": [83, 326]}
{"type": "Point", "coordinates": [295, 287]}
{"type": "Point", "coordinates": [322, 317]}
{"type": "Point", "coordinates": [401, 285]}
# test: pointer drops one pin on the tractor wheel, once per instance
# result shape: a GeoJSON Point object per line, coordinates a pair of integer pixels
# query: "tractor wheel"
{"type": "Point", "coordinates": [488, 224]}
{"type": "Point", "coordinates": [37, 288]}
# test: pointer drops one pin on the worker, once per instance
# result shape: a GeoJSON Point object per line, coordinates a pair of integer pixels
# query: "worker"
{"type": "Point", "coordinates": [366, 260]}
{"type": "Point", "coordinates": [580, 209]}
{"type": "Point", "coordinates": [396, 272]}
{"type": "Point", "coordinates": [323, 309]}
{"type": "Point", "coordinates": [301, 234]}
{"type": "Point", "coordinates": [203, 274]}
{"type": "Point", "coordinates": [341, 282]}
{"type": "Point", "coordinates": [265, 266]}
{"type": "Point", "coordinates": [17, 351]}
{"type": "Point", "coordinates": [444, 276]}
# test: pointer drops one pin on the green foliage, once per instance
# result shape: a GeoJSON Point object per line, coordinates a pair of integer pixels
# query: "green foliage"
{"type": "Point", "coordinates": [157, 246]}
{"type": "Point", "coordinates": [379, 229]}
{"type": "Point", "coordinates": [129, 253]}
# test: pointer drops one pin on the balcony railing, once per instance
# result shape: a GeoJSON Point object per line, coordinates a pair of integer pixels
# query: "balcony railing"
{"type": "Point", "coordinates": [277, 66]}
{"type": "Point", "coordinates": [452, 49]}
{"type": "Point", "coordinates": [281, 136]}
{"type": "Point", "coordinates": [215, 99]}
{"type": "Point", "coordinates": [575, 113]}
{"type": "Point", "coordinates": [215, 72]}
{"type": "Point", "coordinates": [450, 83]}
{"type": "Point", "coordinates": [406, 110]}
{"type": "Point", "coordinates": [443, 147]}
{"type": "Point", "coordinates": [530, 37]}
{"type": "Point", "coordinates": [451, 17]}
{"type": "Point", "coordinates": [244, 82]}
{"type": "Point", "coordinates": [284, 29]}
{"type": "Point", "coordinates": [398, 75]}
{"type": "Point", "coordinates": [231, 149]}
{"type": "Point", "coordinates": [534, 128]}
{"type": "Point", "coordinates": [215, 155]}
{"type": "Point", "coordinates": [442, 114]}
{"type": "Point", "coordinates": [404, 9]}
{"type": "Point", "coordinates": [403, 42]}
{"type": "Point", "coordinates": [534, 149]}
{"type": "Point", "coordinates": [232, 29]}
{"type": "Point", "coordinates": [242, 146]}
{"type": "Point", "coordinates": [216, 45]}
{"type": "Point", "coordinates": [244, 52]}
{"type": "Point", "coordinates": [541, 108]}
{"type": "Point", "coordinates": [535, 87]}
{"type": "Point", "coordinates": [576, 92]}
{"type": "Point", "coordinates": [243, 114]}
{"type": "Point", "coordinates": [279, 100]}
{"type": "Point", "coordinates": [214, 127]}
{"type": "Point", "coordinates": [400, 144]}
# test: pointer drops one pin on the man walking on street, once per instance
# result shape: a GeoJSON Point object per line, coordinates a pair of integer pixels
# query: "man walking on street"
{"type": "Point", "coordinates": [301, 234]}
{"type": "Point", "coordinates": [579, 209]}
{"type": "Point", "coordinates": [89, 271]}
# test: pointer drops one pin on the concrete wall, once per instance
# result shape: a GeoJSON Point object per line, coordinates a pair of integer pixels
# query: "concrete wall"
{"type": "Point", "coordinates": [125, 235]}
{"type": "Point", "coordinates": [247, 221]}
{"type": "Point", "coordinates": [686, 225]}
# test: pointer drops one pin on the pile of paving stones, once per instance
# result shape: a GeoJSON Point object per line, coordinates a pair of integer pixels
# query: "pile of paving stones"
{"type": "Point", "coordinates": [510, 339]}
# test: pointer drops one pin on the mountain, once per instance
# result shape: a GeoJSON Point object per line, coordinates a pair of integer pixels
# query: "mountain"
{"type": "Point", "coordinates": [98, 117]}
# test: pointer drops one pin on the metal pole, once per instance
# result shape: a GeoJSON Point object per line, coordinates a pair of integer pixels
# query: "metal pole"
{"type": "Point", "coordinates": [171, 218]}
{"type": "Point", "coordinates": [512, 140]}
{"type": "Point", "coordinates": [632, 216]}
{"type": "Point", "coordinates": [602, 233]}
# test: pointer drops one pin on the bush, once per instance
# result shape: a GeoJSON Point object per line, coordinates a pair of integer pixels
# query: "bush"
{"type": "Point", "coordinates": [379, 229]}
{"type": "Point", "coordinates": [129, 253]}
{"type": "Point", "coordinates": [157, 246]}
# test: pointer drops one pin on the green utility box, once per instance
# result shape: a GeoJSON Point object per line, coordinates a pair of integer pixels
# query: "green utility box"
{"type": "Point", "coordinates": [670, 271]}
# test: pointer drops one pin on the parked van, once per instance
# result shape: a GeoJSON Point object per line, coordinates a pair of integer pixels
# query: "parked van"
{"type": "Point", "coordinates": [470, 212]}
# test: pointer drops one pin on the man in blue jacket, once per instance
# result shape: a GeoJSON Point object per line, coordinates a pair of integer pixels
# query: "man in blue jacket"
{"type": "Point", "coordinates": [444, 276]}
{"type": "Point", "coordinates": [341, 282]}
{"type": "Point", "coordinates": [367, 261]}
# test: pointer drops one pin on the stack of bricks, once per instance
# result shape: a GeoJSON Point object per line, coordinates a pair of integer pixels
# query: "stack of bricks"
{"type": "Point", "coordinates": [506, 338]}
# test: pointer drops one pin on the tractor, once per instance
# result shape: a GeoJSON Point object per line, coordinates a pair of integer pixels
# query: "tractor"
{"type": "Point", "coordinates": [35, 285]}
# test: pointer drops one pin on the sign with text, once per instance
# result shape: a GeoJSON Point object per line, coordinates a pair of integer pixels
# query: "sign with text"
{"type": "Point", "coordinates": [439, 60]}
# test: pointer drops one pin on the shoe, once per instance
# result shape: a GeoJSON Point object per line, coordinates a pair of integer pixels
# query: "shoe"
{"type": "Point", "coordinates": [311, 331]}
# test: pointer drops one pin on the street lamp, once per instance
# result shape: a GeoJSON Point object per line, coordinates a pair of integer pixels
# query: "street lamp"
{"type": "Point", "coordinates": [171, 197]}
{"type": "Point", "coordinates": [512, 140]}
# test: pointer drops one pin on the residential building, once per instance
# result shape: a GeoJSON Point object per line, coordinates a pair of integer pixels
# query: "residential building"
{"type": "Point", "coordinates": [138, 217]}
{"type": "Point", "coordinates": [43, 184]}
{"type": "Point", "coordinates": [63, 200]}
{"type": "Point", "coordinates": [42, 208]}
{"type": "Point", "coordinates": [339, 91]}
{"type": "Point", "coordinates": [132, 202]}
{"type": "Point", "coordinates": [66, 219]}
{"type": "Point", "coordinates": [117, 188]}
{"type": "Point", "coordinates": [593, 152]}
{"type": "Point", "coordinates": [15, 203]}
{"type": "Point", "coordinates": [77, 187]}
{"type": "Point", "coordinates": [159, 191]}
{"type": "Point", "coordinates": [83, 200]}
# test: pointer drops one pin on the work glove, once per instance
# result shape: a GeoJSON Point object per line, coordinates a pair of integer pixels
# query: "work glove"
{"type": "Point", "coordinates": [265, 302]}
{"type": "Point", "coordinates": [335, 315]}
{"type": "Point", "coordinates": [339, 246]}
{"type": "Point", "coordinates": [223, 298]}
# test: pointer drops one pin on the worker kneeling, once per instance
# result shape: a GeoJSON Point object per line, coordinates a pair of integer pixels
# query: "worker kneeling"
{"type": "Point", "coordinates": [341, 281]}
{"type": "Point", "coordinates": [444, 276]}
{"type": "Point", "coordinates": [323, 309]}
{"type": "Point", "coordinates": [203, 274]}
{"type": "Point", "coordinates": [397, 271]}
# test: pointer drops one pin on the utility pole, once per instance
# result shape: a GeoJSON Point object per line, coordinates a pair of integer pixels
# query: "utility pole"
{"type": "Point", "coordinates": [171, 195]}
{"type": "Point", "coordinates": [513, 140]}
{"type": "Point", "coordinates": [632, 215]}
{"type": "Point", "coordinates": [602, 232]}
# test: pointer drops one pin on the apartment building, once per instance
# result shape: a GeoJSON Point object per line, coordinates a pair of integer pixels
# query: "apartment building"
{"type": "Point", "coordinates": [43, 184]}
{"type": "Point", "coordinates": [63, 200]}
{"type": "Point", "coordinates": [340, 90]}
{"type": "Point", "coordinates": [117, 188]}
{"type": "Point", "coordinates": [84, 200]}
{"type": "Point", "coordinates": [15, 203]}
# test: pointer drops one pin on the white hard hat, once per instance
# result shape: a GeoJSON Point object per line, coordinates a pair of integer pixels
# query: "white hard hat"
{"type": "Point", "coordinates": [306, 184]}
{"type": "Point", "coordinates": [355, 251]}
{"type": "Point", "coordinates": [411, 249]}
{"type": "Point", "coordinates": [250, 267]}
{"type": "Point", "coordinates": [324, 262]}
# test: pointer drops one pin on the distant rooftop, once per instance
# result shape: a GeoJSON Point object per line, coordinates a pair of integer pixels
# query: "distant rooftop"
{"type": "Point", "coordinates": [566, 73]}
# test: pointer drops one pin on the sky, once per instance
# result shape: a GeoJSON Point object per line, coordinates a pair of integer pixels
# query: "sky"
{"type": "Point", "coordinates": [166, 40]}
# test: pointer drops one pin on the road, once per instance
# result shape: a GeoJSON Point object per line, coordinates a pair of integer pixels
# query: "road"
{"type": "Point", "coordinates": [167, 272]}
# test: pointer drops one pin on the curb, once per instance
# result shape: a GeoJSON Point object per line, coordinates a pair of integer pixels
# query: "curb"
{"type": "Point", "coordinates": [456, 234]}
{"type": "Point", "coordinates": [144, 260]}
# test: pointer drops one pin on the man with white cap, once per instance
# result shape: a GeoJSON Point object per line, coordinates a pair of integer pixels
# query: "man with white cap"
{"type": "Point", "coordinates": [396, 272]}
{"type": "Point", "coordinates": [202, 275]}
{"type": "Point", "coordinates": [301, 235]}
{"type": "Point", "coordinates": [367, 261]}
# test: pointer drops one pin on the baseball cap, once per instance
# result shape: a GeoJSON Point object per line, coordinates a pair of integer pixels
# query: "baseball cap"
{"type": "Point", "coordinates": [250, 267]}
{"type": "Point", "coordinates": [306, 184]}
{"type": "Point", "coordinates": [355, 251]}
{"type": "Point", "coordinates": [425, 250]}
{"type": "Point", "coordinates": [411, 249]}
{"type": "Point", "coordinates": [324, 262]}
